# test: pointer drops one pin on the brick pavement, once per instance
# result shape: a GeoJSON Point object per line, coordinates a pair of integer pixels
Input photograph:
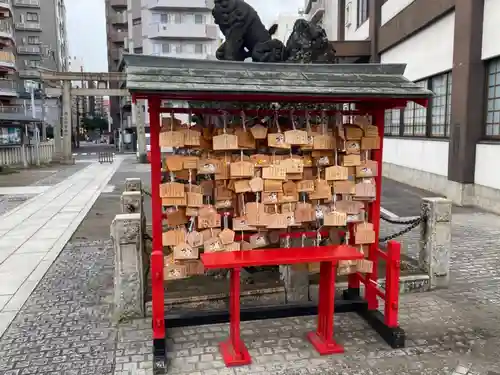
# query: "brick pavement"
{"type": "Point", "coordinates": [67, 325]}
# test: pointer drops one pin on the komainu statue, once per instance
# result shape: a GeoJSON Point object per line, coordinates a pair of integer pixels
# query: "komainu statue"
{"type": "Point", "coordinates": [246, 36]}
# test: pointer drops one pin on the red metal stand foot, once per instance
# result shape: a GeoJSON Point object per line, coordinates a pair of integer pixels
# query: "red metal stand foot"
{"type": "Point", "coordinates": [324, 347]}
{"type": "Point", "coordinates": [231, 357]}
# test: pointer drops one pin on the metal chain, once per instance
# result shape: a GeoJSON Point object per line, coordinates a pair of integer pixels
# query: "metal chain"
{"type": "Point", "coordinates": [400, 222]}
{"type": "Point", "coordinates": [145, 192]}
{"type": "Point", "coordinates": [413, 223]}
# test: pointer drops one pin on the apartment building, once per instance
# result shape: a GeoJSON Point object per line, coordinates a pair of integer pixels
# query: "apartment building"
{"type": "Point", "coordinates": [41, 38]}
{"type": "Point", "coordinates": [180, 28]}
{"type": "Point", "coordinates": [451, 47]}
{"type": "Point", "coordinates": [8, 88]}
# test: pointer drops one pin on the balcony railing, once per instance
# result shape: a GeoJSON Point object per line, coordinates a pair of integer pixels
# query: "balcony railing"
{"type": "Point", "coordinates": [119, 19]}
{"type": "Point", "coordinates": [6, 30]}
{"type": "Point", "coordinates": [180, 4]}
{"type": "Point", "coordinates": [183, 30]}
{"type": "Point", "coordinates": [118, 36]}
{"type": "Point", "coordinates": [5, 4]}
{"type": "Point", "coordinates": [29, 50]}
{"type": "Point", "coordinates": [27, 3]}
{"type": "Point", "coordinates": [8, 87]}
{"type": "Point", "coordinates": [118, 3]}
{"type": "Point", "coordinates": [7, 59]}
{"type": "Point", "coordinates": [29, 73]}
{"type": "Point", "coordinates": [28, 26]}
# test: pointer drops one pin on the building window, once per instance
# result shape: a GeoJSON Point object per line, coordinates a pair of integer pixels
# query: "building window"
{"type": "Point", "coordinates": [178, 18]}
{"type": "Point", "coordinates": [434, 121]}
{"type": "Point", "coordinates": [33, 40]}
{"type": "Point", "coordinates": [136, 21]}
{"type": "Point", "coordinates": [392, 122]}
{"type": "Point", "coordinates": [198, 48]}
{"type": "Point", "coordinates": [166, 48]}
{"type": "Point", "coordinates": [31, 17]}
{"type": "Point", "coordinates": [441, 105]}
{"type": "Point", "coordinates": [362, 11]}
{"type": "Point", "coordinates": [415, 117]}
{"type": "Point", "coordinates": [493, 109]}
{"type": "Point", "coordinates": [199, 19]}
{"type": "Point", "coordinates": [164, 18]}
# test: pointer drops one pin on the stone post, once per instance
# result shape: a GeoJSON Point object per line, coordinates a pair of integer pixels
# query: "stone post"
{"type": "Point", "coordinates": [126, 235]}
{"type": "Point", "coordinates": [131, 202]}
{"type": "Point", "coordinates": [133, 184]}
{"type": "Point", "coordinates": [435, 241]}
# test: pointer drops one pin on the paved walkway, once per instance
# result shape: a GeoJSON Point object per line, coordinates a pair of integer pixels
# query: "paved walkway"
{"type": "Point", "coordinates": [33, 234]}
{"type": "Point", "coordinates": [67, 325]}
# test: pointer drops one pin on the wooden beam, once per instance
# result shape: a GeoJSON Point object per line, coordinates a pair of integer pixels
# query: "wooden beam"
{"type": "Point", "coordinates": [53, 91]}
{"type": "Point", "coordinates": [82, 76]}
{"type": "Point", "coordinates": [352, 48]}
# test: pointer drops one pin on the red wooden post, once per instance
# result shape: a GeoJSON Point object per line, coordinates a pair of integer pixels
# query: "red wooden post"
{"type": "Point", "coordinates": [322, 338]}
{"type": "Point", "coordinates": [393, 270]}
{"type": "Point", "coordinates": [234, 351]}
{"type": "Point", "coordinates": [158, 302]}
{"type": "Point", "coordinates": [374, 215]}
{"type": "Point", "coordinates": [353, 281]}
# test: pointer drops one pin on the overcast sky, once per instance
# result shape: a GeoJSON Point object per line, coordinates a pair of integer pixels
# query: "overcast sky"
{"type": "Point", "coordinates": [87, 27]}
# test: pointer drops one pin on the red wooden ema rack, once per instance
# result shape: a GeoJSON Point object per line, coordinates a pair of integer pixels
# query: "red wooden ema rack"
{"type": "Point", "coordinates": [233, 350]}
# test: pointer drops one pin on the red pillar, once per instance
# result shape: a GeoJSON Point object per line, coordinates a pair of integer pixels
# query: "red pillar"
{"type": "Point", "coordinates": [158, 302]}
{"type": "Point", "coordinates": [374, 215]}
{"type": "Point", "coordinates": [393, 270]}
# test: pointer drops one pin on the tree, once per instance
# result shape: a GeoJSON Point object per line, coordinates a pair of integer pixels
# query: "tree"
{"type": "Point", "coordinates": [94, 123]}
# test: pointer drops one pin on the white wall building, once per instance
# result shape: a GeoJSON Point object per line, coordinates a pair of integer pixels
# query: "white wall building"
{"type": "Point", "coordinates": [451, 47]}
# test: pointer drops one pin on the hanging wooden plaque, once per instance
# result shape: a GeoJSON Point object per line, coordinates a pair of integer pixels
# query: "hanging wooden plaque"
{"type": "Point", "coordinates": [174, 163]}
{"type": "Point", "coordinates": [364, 234]}
{"type": "Point", "coordinates": [292, 165]}
{"type": "Point", "coordinates": [305, 186]}
{"type": "Point", "coordinates": [278, 221]}
{"type": "Point", "coordinates": [274, 172]}
{"type": "Point", "coordinates": [242, 169]}
{"type": "Point", "coordinates": [225, 142]}
{"type": "Point", "coordinates": [323, 142]}
{"type": "Point", "coordinates": [174, 237]}
{"type": "Point", "coordinates": [191, 137]}
{"type": "Point", "coordinates": [277, 140]}
{"type": "Point", "coordinates": [344, 187]}
{"type": "Point", "coordinates": [296, 137]}
{"type": "Point", "coordinates": [336, 173]}
{"type": "Point", "coordinates": [259, 132]}
{"type": "Point", "coordinates": [194, 199]}
{"type": "Point", "coordinates": [185, 252]}
{"type": "Point", "coordinates": [194, 239]}
{"type": "Point", "coordinates": [365, 190]}
{"type": "Point", "coordinates": [245, 138]}
{"type": "Point", "coordinates": [335, 219]}
{"type": "Point", "coordinates": [172, 190]}
{"type": "Point", "coordinates": [369, 168]}
{"type": "Point", "coordinates": [173, 139]}
{"type": "Point", "coordinates": [241, 224]}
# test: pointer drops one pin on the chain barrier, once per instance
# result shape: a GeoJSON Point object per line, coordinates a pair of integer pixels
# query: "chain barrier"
{"type": "Point", "coordinates": [412, 224]}
{"type": "Point", "coordinates": [145, 192]}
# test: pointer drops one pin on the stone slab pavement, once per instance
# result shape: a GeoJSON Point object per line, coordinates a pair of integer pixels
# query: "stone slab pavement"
{"type": "Point", "coordinates": [67, 325]}
{"type": "Point", "coordinates": [33, 234]}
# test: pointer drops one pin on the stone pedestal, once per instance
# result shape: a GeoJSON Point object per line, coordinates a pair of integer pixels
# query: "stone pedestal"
{"type": "Point", "coordinates": [133, 184]}
{"type": "Point", "coordinates": [131, 202]}
{"type": "Point", "coordinates": [435, 241]}
{"type": "Point", "coordinates": [126, 234]}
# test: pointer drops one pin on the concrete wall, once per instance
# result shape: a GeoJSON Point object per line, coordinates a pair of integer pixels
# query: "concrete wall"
{"type": "Point", "coordinates": [392, 8]}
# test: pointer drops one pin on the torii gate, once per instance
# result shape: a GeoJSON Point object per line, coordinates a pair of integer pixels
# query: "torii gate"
{"type": "Point", "coordinates": [66, 92]}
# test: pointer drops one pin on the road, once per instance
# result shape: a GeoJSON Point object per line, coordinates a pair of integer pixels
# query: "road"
{"type": "Point", "coordinates": [89, 151]}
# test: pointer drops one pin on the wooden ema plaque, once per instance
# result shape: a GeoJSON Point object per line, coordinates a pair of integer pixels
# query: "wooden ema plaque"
{"type": "Point", "coordinates": [336, 173]}
{"type": "Point", "coordinates": [335, 219]}
{"type": "Point", "coordinates": [191, 137]}
{"type": "Point", "coordinates": [296, 137]}
{"type": "Point", "coordinates": [259, 131]}
{"type": "Point", "coordinates": [277, 140]}
{"type": "Point", "coordinates": [225, 142]}
{"type": "Point", "coordinates": [173, 139]}
{"type": "Point", "coordinates": [242, 169]}
{"type": "Point", "coordinates": [183, 251]}
{"type": "Point", "coordinates": [369, 168]}
{"type": "Point", "coordinates": [364, 234]}
{"type": "Point", "coordinates": [172, 190]}
{"type": "Point", "coordinates": [274, 172]}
